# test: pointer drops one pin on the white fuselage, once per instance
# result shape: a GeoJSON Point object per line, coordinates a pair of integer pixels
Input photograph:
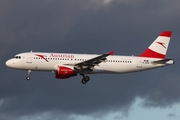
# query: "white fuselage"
{"type": "Point", "coordinates": [51, 61]}
{"type": "Point", "coordinates": [66, 65]}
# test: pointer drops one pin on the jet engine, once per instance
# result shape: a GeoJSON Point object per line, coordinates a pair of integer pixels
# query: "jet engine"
{"type": "Point", "coordinates": [64, 72]}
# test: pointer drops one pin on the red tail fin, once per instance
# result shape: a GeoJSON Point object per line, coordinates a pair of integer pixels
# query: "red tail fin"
{"type": "Point", "coordinates": [159, 47]}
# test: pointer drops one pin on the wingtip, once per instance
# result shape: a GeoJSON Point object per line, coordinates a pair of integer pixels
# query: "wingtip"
{"type": "Point", "coordinates": [111, 53]}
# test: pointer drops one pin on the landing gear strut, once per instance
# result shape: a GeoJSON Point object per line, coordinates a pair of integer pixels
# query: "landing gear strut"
{"type": "Point", "coordinates": [28, 77]}
{"type": "Point", "coordinates": [85, 79]}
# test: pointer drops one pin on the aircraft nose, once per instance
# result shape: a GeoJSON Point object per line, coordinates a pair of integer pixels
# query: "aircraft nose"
{"type": "Point", "coordinates": [8, 63]}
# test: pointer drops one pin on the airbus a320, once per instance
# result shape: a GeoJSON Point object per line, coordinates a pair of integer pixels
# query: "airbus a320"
{"type": "Point", "coordinates": [66, 65]}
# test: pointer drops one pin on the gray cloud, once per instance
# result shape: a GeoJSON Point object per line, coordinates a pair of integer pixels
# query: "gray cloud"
{"type": "Point", "coordinates": [85, 27]}
{"type": "Point", "coordinates": [171, 115]}
{"type": "Point", "coordinates": [165, 92]}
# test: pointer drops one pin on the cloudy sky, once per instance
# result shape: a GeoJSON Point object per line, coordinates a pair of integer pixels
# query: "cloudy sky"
{"type": "Point", "coordinates": [88, 26]}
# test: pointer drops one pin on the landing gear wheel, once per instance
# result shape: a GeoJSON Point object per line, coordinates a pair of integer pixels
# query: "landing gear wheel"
{"type": "Point", "coordinates": [85, 79]}
{"type": "Point", "coordinates": [28, 78]}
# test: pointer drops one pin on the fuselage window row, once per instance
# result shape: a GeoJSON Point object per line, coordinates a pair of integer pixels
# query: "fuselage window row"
{"type": "Point", "coordinates": [119, 61]}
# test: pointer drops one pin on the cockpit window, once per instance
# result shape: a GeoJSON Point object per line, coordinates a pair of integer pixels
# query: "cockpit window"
{"type": "Point", "coordinates": [17, 57]}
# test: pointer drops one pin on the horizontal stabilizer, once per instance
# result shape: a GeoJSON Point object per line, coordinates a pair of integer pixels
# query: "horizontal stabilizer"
{"type": "Point", "coordinates": [164, 61]}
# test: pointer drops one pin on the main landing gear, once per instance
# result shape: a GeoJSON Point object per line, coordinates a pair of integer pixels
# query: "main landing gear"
{"type": "Point", "coordinates": [28, 77]}
{"type": "Point", "coordinates": [85, 79]}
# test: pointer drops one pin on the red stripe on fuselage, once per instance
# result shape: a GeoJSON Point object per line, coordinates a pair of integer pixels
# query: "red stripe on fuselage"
{"type": "Point", "coordinates": [42, 56]}
{"type": "Point", "coordinates": [152, 54]}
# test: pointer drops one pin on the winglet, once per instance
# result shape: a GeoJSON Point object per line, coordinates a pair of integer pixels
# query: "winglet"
{"type": "Point", "coordinates": [111, 53]}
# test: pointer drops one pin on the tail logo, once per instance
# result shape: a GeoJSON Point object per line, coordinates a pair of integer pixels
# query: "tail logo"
{"type": "Point", "coordinates": [162, 44]}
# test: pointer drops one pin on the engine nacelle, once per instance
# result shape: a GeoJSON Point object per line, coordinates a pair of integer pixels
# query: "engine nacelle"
{"type": "Point", "coordinates": [64, 72]}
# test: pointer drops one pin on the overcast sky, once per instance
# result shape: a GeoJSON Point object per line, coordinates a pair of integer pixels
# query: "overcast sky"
{"type": "Point", "coordinates": [88, 26]}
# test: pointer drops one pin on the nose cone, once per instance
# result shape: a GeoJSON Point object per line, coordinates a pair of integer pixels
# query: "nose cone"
{"type": "Point", "coordinates": [8, 63]}
{"type": "Point", "coordinates": [11, 63]}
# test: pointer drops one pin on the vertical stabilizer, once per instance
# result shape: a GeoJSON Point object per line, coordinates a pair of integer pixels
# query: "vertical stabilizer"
{"type": "Point", "coordinates": [159, 47]}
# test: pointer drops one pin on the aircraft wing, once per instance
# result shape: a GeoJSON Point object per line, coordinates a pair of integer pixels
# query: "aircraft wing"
{"type": "Point", "coordinates": [90, 63]}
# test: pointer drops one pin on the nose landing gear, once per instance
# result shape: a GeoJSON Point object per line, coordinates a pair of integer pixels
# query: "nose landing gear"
{"type": "Point", "coordinates": [28, 77]}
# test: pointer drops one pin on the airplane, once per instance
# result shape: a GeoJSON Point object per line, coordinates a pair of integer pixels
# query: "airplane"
{"type": "Point", "coordinates": [66, 65]}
